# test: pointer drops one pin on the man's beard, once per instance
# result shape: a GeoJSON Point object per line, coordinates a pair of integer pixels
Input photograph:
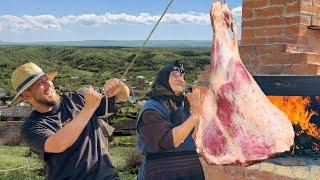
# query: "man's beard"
{"type": "Point", "coordinates": [50, 102]}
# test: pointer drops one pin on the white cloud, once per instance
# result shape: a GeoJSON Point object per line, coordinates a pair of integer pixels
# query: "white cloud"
{"type": "Point", "coordinates": [194, 18]}
{"type": "Point", "coordinates": [24, 23]}
{"type": "Point", "coordinates": [49, 22]}
{"type": "Point", "coordinates": [237, 11]}
{"type": "Point", "coordinates": [143, 18]}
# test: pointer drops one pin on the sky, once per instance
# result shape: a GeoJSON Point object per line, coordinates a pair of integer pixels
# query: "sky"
{"type": "Point", "coordinates": [77, 20]}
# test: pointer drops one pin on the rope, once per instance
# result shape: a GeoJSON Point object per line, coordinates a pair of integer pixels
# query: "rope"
{"type": "Point", "coordinates": [136, 57]}
{"type": "Point", "coordinates": [22, 167]}
{"type": "Point", "coordinates": [106, 112]}
{"type": "Point", "coordinates": [145, 42]}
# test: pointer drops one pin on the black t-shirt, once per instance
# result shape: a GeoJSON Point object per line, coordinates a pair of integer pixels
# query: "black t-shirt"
{"type": "Point", "coordinates": [87, 158]}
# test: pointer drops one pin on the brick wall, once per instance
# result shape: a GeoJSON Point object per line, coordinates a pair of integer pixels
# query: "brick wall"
{"type": "Point", "coordinates": [272, 169]}
{"type": "Point", "coordinates": [278, 37]}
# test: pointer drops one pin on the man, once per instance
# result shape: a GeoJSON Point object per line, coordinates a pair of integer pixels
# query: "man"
{"type": "Point", "coordinates": [64, 130]}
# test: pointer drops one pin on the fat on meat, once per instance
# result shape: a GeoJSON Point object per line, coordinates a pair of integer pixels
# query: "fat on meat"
{"type": "Point", "coordinates": [239, 125]}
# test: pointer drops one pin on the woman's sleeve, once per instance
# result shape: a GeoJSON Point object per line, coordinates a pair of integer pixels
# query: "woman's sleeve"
{"type": "Point", "coordinates": [157, 130]}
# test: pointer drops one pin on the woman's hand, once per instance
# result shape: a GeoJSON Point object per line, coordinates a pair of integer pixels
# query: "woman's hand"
{"type": "Point", "coordinates": [181, 132]}
{"type": "Point", "coordinates": [196, 109]}
{"type": "Point", "coordinates": [197, 104]}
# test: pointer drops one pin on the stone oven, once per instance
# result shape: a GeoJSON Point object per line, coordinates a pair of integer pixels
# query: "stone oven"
{"type": "Point", "coordinates": [280, 47]}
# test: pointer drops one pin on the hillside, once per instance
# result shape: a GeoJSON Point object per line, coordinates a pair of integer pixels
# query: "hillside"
{"type": "Point", "coordinates": [119, 43]}
{"type": "Point", "coordinates": [93, 65]}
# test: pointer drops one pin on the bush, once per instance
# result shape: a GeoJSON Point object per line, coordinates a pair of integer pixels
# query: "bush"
{"type": "Point", "coordinates": [133, 159]}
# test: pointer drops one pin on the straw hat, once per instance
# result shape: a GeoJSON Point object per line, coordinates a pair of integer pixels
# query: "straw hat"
{"type": "Point", "coordinates": [24, 76]}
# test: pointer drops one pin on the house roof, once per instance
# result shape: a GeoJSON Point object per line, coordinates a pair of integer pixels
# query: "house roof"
{"type": "Point", "coordinates": [15, 111]}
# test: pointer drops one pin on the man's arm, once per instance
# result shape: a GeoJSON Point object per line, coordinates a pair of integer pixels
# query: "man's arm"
{"type": "Point", "coordinates": [67, 135]}
{"type": "Point", "coordinates": [115, 87]}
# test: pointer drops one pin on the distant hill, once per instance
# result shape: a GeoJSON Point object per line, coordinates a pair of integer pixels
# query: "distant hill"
{"type": "Point", "coordinates": [116, 43]}
{"type": "Point", "coordinates": [133, 43]}
{"type": "Point", "coordinates": [7, 43]}
{"type": "Point", "coordinates": [93, 65]}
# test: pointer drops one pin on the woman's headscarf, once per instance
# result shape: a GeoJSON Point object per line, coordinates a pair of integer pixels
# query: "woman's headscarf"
{"type": "Point", "coordinates": [161, 90]}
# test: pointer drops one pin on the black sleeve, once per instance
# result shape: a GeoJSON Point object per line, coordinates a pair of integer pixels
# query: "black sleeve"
{"type": "Point", "coordinates": [101, 110]}
{"type": "Point", "coordinates": [157, 130]}
{"type": "Point", "coordinates": [35, 135]}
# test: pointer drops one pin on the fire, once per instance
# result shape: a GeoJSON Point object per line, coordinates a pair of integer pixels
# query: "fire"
{"type": "Point", "coordinates": [295, 107]}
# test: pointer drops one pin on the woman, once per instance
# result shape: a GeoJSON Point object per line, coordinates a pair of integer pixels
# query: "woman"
{"type": "Point", "coordinates": [165, 126]}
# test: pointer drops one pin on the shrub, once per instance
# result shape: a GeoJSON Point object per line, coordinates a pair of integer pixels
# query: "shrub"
{"type": "Point", "coordinates": [133, 159]}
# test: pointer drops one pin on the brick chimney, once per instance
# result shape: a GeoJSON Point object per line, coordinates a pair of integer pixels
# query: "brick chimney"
{"type": "Point", "coordinates": [281, 37]}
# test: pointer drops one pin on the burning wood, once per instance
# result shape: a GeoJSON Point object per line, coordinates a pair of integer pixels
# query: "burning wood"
{"type": "Point", "coordinates": [300, 112]}
{"type": "Point", "coordinates": [295, 107]}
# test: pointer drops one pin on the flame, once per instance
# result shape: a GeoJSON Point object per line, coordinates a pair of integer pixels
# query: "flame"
{"type": "Point", "coordinates": [295, 107]}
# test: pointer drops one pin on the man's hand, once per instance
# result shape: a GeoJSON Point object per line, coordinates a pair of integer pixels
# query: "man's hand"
{"type": "Point", "coordinates": [115, 87]}
{"type": "Point", "coordinates": [92, 98]}
{"type": "Point", "coordinates": [67, 135]}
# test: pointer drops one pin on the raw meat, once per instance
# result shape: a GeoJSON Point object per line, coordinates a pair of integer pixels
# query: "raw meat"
{"type": "Point", "coordinates": [239, 124]}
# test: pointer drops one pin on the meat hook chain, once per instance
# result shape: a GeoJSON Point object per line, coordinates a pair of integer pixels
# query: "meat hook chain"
{"type": "Point", "coordinates": [136, 57]}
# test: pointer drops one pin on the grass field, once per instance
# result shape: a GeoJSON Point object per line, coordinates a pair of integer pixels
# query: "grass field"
{"type": "Point", "coordinates": [11, 158]}
{"type": "Point", "coordinates": [16, 159]}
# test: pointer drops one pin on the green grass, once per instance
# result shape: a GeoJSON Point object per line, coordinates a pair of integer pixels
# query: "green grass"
{"type": "Point", "coordinates": [31, 168]}
{"type": "Point", "coordinates": [117, 156]}
{"type": "Point", "coordinates": [17, 157]}
{"type": "Point", "coordinates": [125, 139]}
